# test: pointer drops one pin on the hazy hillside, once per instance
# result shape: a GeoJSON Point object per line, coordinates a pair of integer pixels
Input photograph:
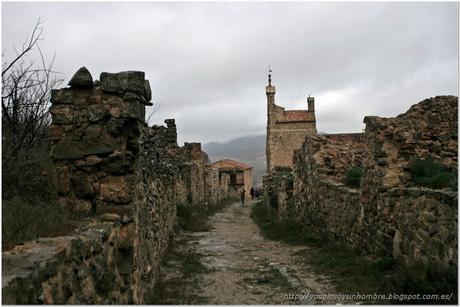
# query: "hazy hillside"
{"type": "Point", "coordinates": [248, 149]}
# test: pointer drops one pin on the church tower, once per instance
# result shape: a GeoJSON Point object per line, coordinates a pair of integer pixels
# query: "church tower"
{"type": "Point", "coordinates": [286, 129]}
{"type": "Point", "coordinates": [270, 91]}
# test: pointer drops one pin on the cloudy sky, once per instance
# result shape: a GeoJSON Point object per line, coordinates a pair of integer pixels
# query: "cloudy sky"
{"type": "Point", "coordinates": [207, 62]}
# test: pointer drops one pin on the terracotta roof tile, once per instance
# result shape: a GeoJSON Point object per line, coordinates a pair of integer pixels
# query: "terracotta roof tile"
{"type": "Point", "coordinates": [228, 163]}
{"type": "Point", "coordinates": [298, 115]}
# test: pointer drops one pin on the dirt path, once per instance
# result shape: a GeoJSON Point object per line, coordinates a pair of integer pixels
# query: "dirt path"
{"type": "Point", "coordinates": [234, 264]}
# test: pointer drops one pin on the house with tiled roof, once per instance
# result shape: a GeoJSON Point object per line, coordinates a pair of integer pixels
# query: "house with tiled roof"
{"type": "Point", "coordinates": [240, 174]}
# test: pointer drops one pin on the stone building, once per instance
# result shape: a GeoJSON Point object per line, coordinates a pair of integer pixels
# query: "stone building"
{"type": "Point", "coordinates": [240, 174]}
{"type": "Point", "coordinates": [286, 129]}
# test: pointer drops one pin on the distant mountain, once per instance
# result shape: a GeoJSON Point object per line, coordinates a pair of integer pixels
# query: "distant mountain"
{"type": "Point", "coordinates": [248, 149]}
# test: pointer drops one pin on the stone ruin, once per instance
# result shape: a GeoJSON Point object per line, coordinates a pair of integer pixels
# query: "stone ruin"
{"type": "Point", "coordinates": [387, 215]}
{"type": "Point", "coordinates": [124, 180]}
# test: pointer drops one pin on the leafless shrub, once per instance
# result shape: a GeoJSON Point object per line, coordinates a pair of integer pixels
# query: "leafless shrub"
{"type": "Point", "coordinates": [26, 90]}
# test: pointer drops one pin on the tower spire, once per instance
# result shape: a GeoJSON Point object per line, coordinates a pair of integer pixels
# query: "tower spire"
{"type": "Point", "coordinates": [269, 75]}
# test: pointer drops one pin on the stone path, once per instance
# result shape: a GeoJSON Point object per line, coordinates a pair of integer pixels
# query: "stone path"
{"type": "Point", "coordinates": [238, 265]}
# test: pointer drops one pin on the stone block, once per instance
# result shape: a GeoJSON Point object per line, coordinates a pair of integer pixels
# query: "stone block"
{"type": "Point", "coordinates": [117, 189]}
{"type": "Point", "coordinates": [96, 113]}
{"type": "Point", "coordinates": [119, 163]}
{"type": "Point", "coordinates": [82, 79]}
{"type": "Point", "coordinates": [63, 179]}
{"type": "Point", "coordinates": [122, 82]}
{"type": "Point", "coordinates": [147, 91]}
{"type": "Point", "coordinates": [62, 114]}
{"type": "Point", "coordinates": [124, 211]}
{"type": "Point", "coordinates": [62, 96]}
{"type": "Point", "coordinates": [55, 132]}
{"type": "Point", "coordinates": [82, 207]}
{"type": "Point", "coordinates": [73, 149]}
{"type": "Point", "coordinates": [126, 237]}
{"type": "Point", "coordinates": [81, 185]}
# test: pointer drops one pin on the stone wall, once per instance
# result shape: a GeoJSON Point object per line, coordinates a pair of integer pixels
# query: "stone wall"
{"type": "Point", "coordinates": [388, 214]}
{"type": "Point", "coordinates": [124, 180]}
{"type": "Point", "coordinates": [278, 189]}
{"type": "Point", "coordinates": [93, 266]}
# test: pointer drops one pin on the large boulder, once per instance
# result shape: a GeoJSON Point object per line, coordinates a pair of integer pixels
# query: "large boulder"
{"type": "Point", "coordinates": [82, 79]}
{"type": "Point", "coordinates": [122, 82]}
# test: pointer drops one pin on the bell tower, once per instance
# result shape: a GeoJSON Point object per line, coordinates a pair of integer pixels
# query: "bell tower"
{"type": "Point", "coordinates": [270, 91]}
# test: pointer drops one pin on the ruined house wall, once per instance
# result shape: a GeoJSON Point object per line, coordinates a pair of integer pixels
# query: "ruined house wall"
{"type": "Point", "coordinates": [196, 165]}
{"type": "Point", "coordinates": [413, 222]}
{"type": "Point", "coordinates": [278, 189]}
{"type": "Point", "coordinates": [387, 215]}
{"type": "Point", "coordinates": [321, 199]}
{"type": "Point", "coordinates": [320, 157]}
{"type": "Point", "coordinates": [247, 178]}
{"type": "Point", "coordinates": [124, 180]}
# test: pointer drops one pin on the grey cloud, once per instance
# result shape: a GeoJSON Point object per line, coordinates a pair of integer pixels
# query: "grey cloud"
{"type": "Point", "coordinates": [207, 61]}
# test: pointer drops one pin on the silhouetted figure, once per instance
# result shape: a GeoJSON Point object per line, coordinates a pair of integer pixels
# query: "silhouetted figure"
{"type": "Point", "coordinates": [256, 193]}
{"type": "Point", "coordinates": [243, 193]}
{"type": "Point", "coordinates": [252, 193]}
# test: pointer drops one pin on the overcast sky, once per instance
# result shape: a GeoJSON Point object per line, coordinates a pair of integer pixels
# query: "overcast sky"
{"type": "Point", "coordinates": [207, 62]}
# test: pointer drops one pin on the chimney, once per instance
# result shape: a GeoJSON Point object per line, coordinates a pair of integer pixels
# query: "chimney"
{"type": "Point", "coordinates": [311, 103]}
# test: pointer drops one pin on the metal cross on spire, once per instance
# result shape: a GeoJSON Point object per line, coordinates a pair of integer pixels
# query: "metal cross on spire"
{"type": "Point", "coordinates": [269, 75]}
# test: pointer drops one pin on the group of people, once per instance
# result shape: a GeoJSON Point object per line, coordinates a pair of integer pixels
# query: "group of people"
{"type": "Point", "coordinates": [253, 192]}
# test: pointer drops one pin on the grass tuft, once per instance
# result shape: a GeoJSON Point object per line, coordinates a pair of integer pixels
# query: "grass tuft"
{"type": "Point", "coordinates": [352, 272]}
{"type": "Point", "coordinates": [431, 174]}
{"type": "Point", "coordinates": [195, 218]}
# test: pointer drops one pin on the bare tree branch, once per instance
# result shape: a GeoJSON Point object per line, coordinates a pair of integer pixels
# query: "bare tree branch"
{"type": "Point", "coordinates": [151, 111]}
{"type": "Point", "coordinates": [26, 91]}
{"type": "Point", "coordinates": [34, 38]}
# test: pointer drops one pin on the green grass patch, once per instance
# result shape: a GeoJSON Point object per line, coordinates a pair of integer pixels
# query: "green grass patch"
{"type": "Point", "coordinates": [195, 218]}
{"type": "Point", "coordinates": [431, 174]}
{"type": "Point", "coordinates": [286, 231]}
{"type": "Point", "coordinates": [181, 288]}
{"type": "Point", "coordinates": [351, 272]}
{"type": "Point", "coordinates": [353, 176]}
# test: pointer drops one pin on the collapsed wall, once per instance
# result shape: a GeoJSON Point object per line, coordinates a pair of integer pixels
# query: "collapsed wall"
{"type": "Point", "coordinates": [321, 199]}
{"type": "Point", "coordinates": [388, 214]}
{"type": "Point", "coordinates": [123, 180]}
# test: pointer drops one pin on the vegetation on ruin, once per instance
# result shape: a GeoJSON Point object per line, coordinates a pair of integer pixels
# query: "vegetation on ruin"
{"type": "Point", "coordinates": [287, 231]}
{"type": "Point", "coordinates": [353, 176]}
{"type": "Point", "coordinates": [29, 204]}
{"type": "Point", "coordinates": [176, 288]}
{"type": "Point", "coordinates": [352, 272]}
{"type": "Point", "coordinates": [195, 218]}
{"type": "Point", "coordinates": [431, 174]}
{"type": "Point", "coordinates": [189, 218]}
{"type": "Point", "coordinates": [29, 196]}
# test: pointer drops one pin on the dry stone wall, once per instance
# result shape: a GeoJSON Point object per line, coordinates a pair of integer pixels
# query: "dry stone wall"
{"type": "Point", "coordinates": [124, 181]}
{"type": "Point", "coordinates": [93, 266]}
{"type": "Point", "coordinates": [387, 214]}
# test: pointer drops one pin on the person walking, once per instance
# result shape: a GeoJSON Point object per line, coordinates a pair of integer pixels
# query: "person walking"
{"type": "Point", "coordinates": [252, 193]}
{"type": "Point", "coordinates": [243, 193]}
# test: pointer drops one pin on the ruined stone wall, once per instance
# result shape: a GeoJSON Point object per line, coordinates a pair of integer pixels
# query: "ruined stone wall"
{"type": "Point", "coordinates": [413, 222]}
{"type": "Point", "coordinates": [387, 215]}
{"type": "Point", "coordinates": [429, 128]}
{"type": "Point", "coordinates": [196, 165]}
{"type": "Point", "coordinates": [92, 266]}
{"type": "Point", "coordinates": [124, 180]}
{"type": "Point", "coordinates": [278, 189]}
